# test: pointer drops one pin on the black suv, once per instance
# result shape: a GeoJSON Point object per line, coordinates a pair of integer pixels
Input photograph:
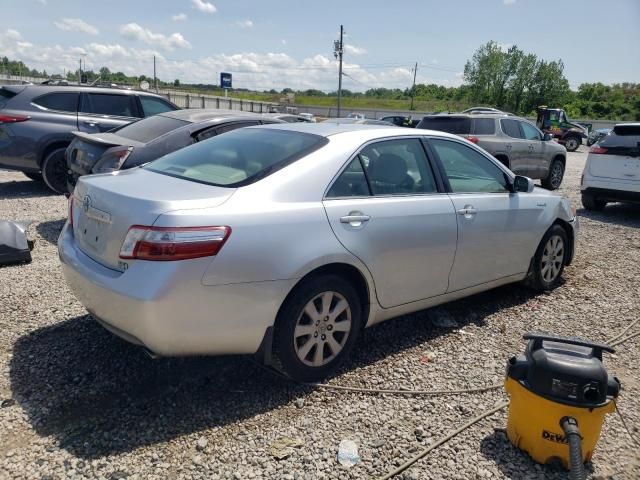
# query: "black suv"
{"type": "Point", "coordinates": [36, 122]}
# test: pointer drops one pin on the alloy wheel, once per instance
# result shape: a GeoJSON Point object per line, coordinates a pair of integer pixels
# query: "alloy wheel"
{"type": "Point", "coordinates": [552, 258]}
{"type": "Point", "coordinates": [556, 174]}
{"type": "Point", "coordinates": [322, 329]}
{"type": "Point", "coordinates": [571, 144]}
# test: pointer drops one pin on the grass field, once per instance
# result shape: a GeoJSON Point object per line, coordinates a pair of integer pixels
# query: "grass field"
{"type": "Point", "coordinates": [420, 104]}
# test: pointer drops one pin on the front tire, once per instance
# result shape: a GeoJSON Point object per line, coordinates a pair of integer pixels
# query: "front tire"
{"type": "Point", "coordinates": [550, 259]}
{"type": "Point", "coordinates": [317, 327]}
{"type": "Point", "coordinates": [54, 171]}
{"type": "Point", "coordinates": [592, 203]}
{"type": "Point", "coordinates": [555, 176]}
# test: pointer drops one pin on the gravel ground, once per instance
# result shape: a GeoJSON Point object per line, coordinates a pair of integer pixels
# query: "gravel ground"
{"type": "Point", "coordinates": [80, 403]}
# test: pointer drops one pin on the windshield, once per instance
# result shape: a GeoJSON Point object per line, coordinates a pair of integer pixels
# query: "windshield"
{"type": "Point", "coordinates": [238, 158]}
{"type": "Point", "coordinates": [147, 129]}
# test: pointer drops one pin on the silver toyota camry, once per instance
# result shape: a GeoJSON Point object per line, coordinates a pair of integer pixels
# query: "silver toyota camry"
{"type": "Point", "coordinates": [288, 240]}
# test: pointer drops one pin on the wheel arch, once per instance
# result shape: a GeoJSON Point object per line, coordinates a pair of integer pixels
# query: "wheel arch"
{"type": "Point", "coordinates": [50, 147]}
{"type": "Point", "coordinates": [569, 231]}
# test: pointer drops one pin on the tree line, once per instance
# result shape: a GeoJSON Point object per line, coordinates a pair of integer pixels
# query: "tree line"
{"type": "Point", "coordinates": [505, 78]}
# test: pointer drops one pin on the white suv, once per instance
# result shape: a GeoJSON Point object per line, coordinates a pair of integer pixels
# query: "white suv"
{"type": "Point", "coordinates": [612, 171]}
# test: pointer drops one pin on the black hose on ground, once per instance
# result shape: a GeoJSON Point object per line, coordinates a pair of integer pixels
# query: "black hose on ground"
{"type": "Point", "coordinates": [574, 438]}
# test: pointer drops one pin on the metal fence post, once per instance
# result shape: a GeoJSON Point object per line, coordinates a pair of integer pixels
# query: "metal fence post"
{"type": "Point", "coordinates": [217, 102]}
{"type": "Point", "coordinates": [202, 101]}
{"type": "Point", "coordinates": [230, 104]}
{"type": "Point", "coordinates": [187, 101]}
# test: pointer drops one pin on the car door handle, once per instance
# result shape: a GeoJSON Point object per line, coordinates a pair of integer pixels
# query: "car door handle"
{"type": "Point", "coordinates": [355, 219]}
{"type": "Point", "coordinates": [91, 123]}
{"type": "Point", "coordinates": [468, 210]}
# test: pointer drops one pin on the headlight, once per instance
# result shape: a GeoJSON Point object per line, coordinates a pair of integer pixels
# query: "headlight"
{"type": "Point", "coordinates": [112, 160]}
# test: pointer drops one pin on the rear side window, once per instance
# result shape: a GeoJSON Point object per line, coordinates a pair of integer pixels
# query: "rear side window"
{"type": "Point", "coordinates": [5, 95]}
{"type": "Point", "coordinates": [511, 128]}
{"type": "Point", "coordinates": [484, 126]}
{"type": "Point", "coordinates": [109, 104]}
{"type": "Point", "coordinates": [60, 101]}
{"type": "Point", "coordinates": [153, 106]}
{"type": "Point", "coordinates": [147, 129]}
{"type": "Point", "coordinates": [456, 125]}
{"type": "Point", "coordinates": [238, 158]}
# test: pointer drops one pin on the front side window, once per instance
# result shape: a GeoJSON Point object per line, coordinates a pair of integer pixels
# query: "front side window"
{"type": "Point", "coordinates": [511, 128]}
{"type": "Point", "coordinates": [467, 170]}
{"type": "Point", "coordinates": [153, 106]}
{"type": "Point", "coordinates": [391, 167]}
{"type": "Point", "coordinates": [109, 104]}
{"type": "Point", "coordinates": [59, 101]}
{"type": "Point", "coordinates": [238, 158]}
{"type": "Point", "coordinates": [530, 132]}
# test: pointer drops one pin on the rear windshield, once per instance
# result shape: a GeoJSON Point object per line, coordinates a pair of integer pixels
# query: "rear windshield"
{"type": "Point", "coordinates": [623, 136]}
{"type": "Point", "coordinates": [457, 125]}
{"type": "Point", "coordinates": [238, 158]}
{"type": "Point", "coordinates": [624, 130]}
{"type": "Point", "coordinates": [149, 128]}
{"type": "Point", "coordinates": [5, 95]}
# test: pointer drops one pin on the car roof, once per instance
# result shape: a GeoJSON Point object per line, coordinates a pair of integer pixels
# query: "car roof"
{"type": "Point", "coordinates": [81, 88]}
{"type": "Point", "coordinates": [196, 115]}
{"type": "Point", "coordinates": [368, 132]}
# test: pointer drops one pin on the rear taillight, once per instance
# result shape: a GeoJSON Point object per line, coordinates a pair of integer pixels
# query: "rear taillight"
{"type": "Point", "coordinates": [13, 118]}
{"type": "Point", "coordinates": [112, 160]}
{"type": "Point", "coordinates": [173, 243]}
{"type": "Point", "coordinates": [71, 210]}
{"type": "Point", "coordinates": [473, 139]}
{"type": "Point", "coordinates": [599, 150]}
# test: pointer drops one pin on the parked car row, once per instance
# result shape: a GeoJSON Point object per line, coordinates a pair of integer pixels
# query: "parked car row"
{"type": "Point", "coordinates": [36, 122]}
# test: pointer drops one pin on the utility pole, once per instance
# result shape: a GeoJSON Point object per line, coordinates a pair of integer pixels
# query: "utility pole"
{"type": "Point", "coordinates": [80, 72]}
{"type": "Point", "coordinates": [337, 53]}
{"type": "Point", "coordinates": [155, 79]}
{"type": "Point", "coordinates": [413, 89]}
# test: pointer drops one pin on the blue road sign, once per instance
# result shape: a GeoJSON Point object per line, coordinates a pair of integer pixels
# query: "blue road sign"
{"type": "Point", "coordinates": [225, 80]}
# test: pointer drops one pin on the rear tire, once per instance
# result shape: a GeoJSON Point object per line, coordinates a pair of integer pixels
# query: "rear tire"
{"type": "Point", "coordinates": [572, 143]}
{"type": "Point", "coordinates": [36, 177]}
{"type": "Point", "coordinates": [317, 327]}
{"type": "Point", "coordinates": [555, 176]}
{"type": "Point", "coordinates": [54, 171]}
{"type": "Point", "coordinates": [590, 202]}
{"type": "Point", "coordinates": [549, 260]}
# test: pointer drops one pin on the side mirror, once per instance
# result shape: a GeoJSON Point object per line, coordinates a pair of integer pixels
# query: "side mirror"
{"type": "Point", "coordinates": [547, 137]}
{"type": "Point", "coordinates": [522, 184]}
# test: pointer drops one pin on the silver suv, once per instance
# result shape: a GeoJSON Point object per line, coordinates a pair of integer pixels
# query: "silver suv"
{"type": "Point", "coordinates": [36, 122]}
{"type": "Point", "coordinates": [514, 141]}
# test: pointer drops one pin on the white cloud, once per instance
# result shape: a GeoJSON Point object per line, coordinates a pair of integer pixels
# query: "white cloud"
{"type": "Point", "coordinates": [434, 61]}
{"type": "Point", "coordinates": [508, 2]}
{"type": "Point", "coordinates": [137, 32]}
{"type": "Point", "coordinates": [204, 6]}
{"type": "Point", "coordinates": [180, 17]}
{"type": "Point", "coordinates": [76, 25]}
{"type": "Point", "coordinates": [245, 24]}
{"type": "Point", "coordinates": [284, 42]}
{"type": "Point", "coordinates": [260, 71]}
{"type": "Point", "coordinates": [504, 46]}
{"type": "Point", "coordinates": [353, 50]}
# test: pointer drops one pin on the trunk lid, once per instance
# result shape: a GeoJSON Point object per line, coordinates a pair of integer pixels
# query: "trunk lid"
{"type": "Point", "coordinates": [87, 148]}
{"type": "Point", "coordinates": [105, 206]}
{"type": "Point", "coordinates": [620, 154]}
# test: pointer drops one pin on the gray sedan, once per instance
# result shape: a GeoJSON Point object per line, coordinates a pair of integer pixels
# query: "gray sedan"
{"type": "Point", "coordinates": [288, 240]}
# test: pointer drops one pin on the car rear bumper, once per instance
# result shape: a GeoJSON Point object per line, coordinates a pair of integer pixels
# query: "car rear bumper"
{"type": "Point", "coordinates": [164, 306]}
{"type": "Point", "coordinates": [612, 195]}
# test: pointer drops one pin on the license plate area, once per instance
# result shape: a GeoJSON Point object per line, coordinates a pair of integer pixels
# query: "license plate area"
{"type": "Point", "coordinates": [93, 228]}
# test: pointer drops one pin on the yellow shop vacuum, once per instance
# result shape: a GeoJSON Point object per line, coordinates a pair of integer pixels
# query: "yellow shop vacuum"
{"type": "Point", "coordinates": [559, 394]}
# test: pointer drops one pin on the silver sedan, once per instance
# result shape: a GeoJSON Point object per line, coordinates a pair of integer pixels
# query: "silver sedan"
{"type": "Point", "coordinates": [288, 240]}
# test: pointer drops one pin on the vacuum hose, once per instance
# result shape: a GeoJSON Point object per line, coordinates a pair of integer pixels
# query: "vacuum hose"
{"type": "Point", "coordinates": [574, 438]}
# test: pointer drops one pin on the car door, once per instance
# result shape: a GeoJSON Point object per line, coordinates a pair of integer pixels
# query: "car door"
{"type": "Point", "coordinates": [494, 225]}
{"type": "Point", "coordinates": [386, 208]}
{"type": "Point", "coordinates": [516, 146]}
{"type": "Point", "coordinates": [100, 112]}
{"type": "Point", "coordinates": [537, 163]}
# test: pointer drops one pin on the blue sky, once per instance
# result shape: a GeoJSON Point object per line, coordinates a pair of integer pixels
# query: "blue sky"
{"type": "Point", "coordinates": [288, 43]}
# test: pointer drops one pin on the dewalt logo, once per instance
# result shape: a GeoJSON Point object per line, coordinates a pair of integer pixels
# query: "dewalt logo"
{"type": "Point", "coordinates": [554, 437]}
